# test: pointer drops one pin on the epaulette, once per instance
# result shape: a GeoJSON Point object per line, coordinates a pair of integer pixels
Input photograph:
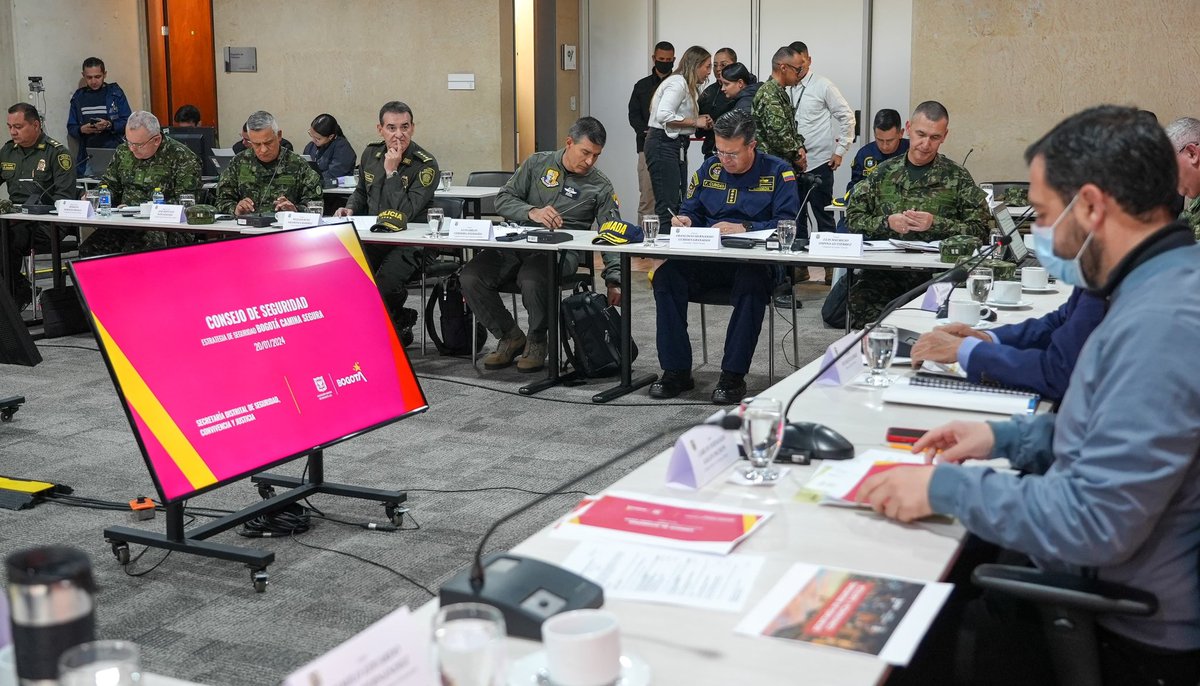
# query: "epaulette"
{"type": "Point", "coordinates": [423, 156]}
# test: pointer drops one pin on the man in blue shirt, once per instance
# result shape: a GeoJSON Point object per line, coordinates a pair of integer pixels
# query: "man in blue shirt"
{"type": "Point", "coordinates": [98, 112]}
{"type": "Point", "coordinates": [737, 190]}
{"type": "Point", "coordinates": [1038, 354]}
{"type": "Point", "coordinates": [1112, 490]}
{"type": "Point", "coordinates": [889, 142]}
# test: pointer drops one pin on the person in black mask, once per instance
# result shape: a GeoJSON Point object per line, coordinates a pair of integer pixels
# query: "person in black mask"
{"type": "Point", "coordinates": [639, 117]}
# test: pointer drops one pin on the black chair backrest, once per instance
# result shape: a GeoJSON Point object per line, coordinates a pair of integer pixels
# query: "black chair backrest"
{"type": "Point", "coordinates": [488, 178]}
{"type": "Point", "coordinates": [452, 207]}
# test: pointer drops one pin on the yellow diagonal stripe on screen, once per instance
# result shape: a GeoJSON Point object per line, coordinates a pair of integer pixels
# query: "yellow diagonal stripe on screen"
{"type": "Point", "coordinates": [354, 248]}
{"type": "Point", "coordinates": [155, 415]}
{"type": "Point", "coordinates": [748, 521]}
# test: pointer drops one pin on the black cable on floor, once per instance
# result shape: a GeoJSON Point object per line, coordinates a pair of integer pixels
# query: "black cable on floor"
{"type": "Point", "coordinates": [76, 347]}
{"type": "Point", "coordinates": [364, 560]}
{"type": "Point", "coordinates": [555, 400]}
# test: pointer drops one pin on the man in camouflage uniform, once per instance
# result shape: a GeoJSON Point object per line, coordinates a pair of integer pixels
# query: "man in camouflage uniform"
{"type": "Point", "coordinates": [774, 116]}
{"type": "Point", "coordinates": [31, 154]}
{"type": "Point", "coordinates": [396, 182]}
{"type": "Point", "coordinates": [559, 189]}
{"type": "Point", "coordinates": [145, 161]}
{"type": "Point", "coordinates": [266, 178]}
{"type": "Point", "coordinates": [921, 196]}
{"type": "Point", "coordinates": [1185, 137]}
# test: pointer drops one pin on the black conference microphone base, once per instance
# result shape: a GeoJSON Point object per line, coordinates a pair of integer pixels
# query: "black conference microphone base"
{"type": "Point", "coordinates": [805, 441]}
{"type": "Point", "coordinates": [526, 591]}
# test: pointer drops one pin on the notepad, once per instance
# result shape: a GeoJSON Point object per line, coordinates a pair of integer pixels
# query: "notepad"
{"type": "Point", "coordinates": [960, 395]}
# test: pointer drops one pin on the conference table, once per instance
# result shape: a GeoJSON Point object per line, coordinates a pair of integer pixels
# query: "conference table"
{"type": "Point", "coordinates": [472, 196]}
{"type": "Point", "coordinates": [685, 645]}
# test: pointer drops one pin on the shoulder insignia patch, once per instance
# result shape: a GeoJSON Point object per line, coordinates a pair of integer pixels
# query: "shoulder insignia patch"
{"type": "Point", "coordinates": [370, 178]}
{"type": "Point", "coordinates": [869, 163]}
{"type": "Point", "coordinates": [424, 156]}
{"type": "Point", "coordinates": [788, 175]}
{"type": "Point", "coordinates": [550, 178]}
{"type": "Point", "coordinates": [615, 201]}
{"type": "Point", "coordinates": [64, 161]}
{"type": "Point", "coordinates": [693, 182]}
{"type": "Point", "coordinates": [714, 172]}
{"type": "Point", "coordinates": [426, 176]}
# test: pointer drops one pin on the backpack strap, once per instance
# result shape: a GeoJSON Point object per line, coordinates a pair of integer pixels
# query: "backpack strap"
{"type": "Point", "coordinates": [435, 297]}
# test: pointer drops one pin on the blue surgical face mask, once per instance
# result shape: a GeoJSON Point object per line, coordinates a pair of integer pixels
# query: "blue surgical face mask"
{"type": "Point", "coordinates": [1068, 271]}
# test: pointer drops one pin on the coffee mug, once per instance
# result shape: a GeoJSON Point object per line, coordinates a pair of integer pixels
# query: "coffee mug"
{"type": "Point", "coordinates": [583, 648]}
{"type": "Point", "coordinates": [1006, 292]}
{"type": "Point", "coordinates": [964, 311]}
{"type": "Point", "coordinates": [1034, 277]}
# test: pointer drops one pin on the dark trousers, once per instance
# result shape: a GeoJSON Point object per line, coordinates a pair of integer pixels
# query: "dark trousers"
{"type": "Point", "coordinates": [820, 194]}
{"type": "Point", "coordinates": [666, 158]}
{"type": "Point", "coordinates": [23, 237]}
{"type": "Point", "coordinates": [491, 270]}
{"type": "Point", "coordinates": [677, 281]}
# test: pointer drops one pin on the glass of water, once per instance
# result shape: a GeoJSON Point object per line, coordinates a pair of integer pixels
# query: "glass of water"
{"type": "Point", "coordinates": [446, 181]}
{"type": "Point", "coordinates": [880, 347]}
{"type": "Point", "coordinates": [649, 229]}
{"type": "Point", "coordinates": [786, 229]}
{"type": "Point", "coordinates": [435, 216]}
{"type": "Point", "coordinates": [100, 663]}
{"type": "Point", "coordinates": [469, 638]}
{"type": "Point", "coordinates": [93, 196]}
{"type": "Point", "coordinates": [187, 200]}
{"type": "Point", "coordinates": [762, 435]}
{"type": "Point", "coordinates": [316, 207]}
{"type": "Point", "coordinates": [979, 284]}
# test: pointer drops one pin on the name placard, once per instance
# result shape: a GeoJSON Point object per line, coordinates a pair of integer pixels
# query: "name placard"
{"type": "Point", "coordinates": [829, 244]}
{"type": "Point", "coordinates": [846, 368]}
{"type": "Point", "coordinates": [300, 220]}
{"type": "Point", "coordinates": [395, 651]}
{"type": "Point", "coordinates": [700, 455]}
{"type": "Point", "coordinates": [695, 238]}
{"type": "Point", "coordinates": [468, 229]}
{"type": "Point", "coordinates": [75, 209]}
{"type": "Point", "coordinates": [168, 214]}
{"type": "Point", "coordinates": [935, 295]}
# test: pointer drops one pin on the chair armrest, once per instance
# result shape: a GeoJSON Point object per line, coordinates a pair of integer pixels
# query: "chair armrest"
{"type": "Point", "coordinates": [1065, 590]}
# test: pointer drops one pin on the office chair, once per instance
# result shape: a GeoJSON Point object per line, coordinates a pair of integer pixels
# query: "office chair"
{"type": "Point", "coordinates": [487, 206]}
{"type": "Point", "coordinates": [439, 263]}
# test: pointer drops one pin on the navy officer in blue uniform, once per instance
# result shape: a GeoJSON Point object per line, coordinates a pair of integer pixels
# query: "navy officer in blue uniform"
{"type": "Point", "coordinates": [739, 189]}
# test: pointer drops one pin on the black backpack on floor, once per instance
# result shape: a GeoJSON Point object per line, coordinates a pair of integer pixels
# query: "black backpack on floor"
{"type": "Point", "coordinates": [452, 333]}
{"type": "Point", "coordinates": [591, 333]}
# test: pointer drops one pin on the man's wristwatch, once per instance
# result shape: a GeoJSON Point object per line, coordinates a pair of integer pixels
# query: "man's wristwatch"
{"type": "Point", "coordinates": [749, 226]}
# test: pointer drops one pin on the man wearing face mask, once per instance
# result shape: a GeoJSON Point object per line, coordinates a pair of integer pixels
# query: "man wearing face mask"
{"type": "Point", "coordinates": [1112, 485]}
{"type": "Point", "coordinates": [639, 118]}
{"type": "Point", "coordinates": [1185, 138]}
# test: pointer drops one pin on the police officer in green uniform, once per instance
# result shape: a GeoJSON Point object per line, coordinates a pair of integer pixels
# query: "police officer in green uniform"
{"type": "Point", "coordinates": [920, 196]}
{"type": "Point", "coordinates": [47, 165]}
{"type": "Point", "coordinates": [266, 178]}
{"type": "Point", "coordinates": [396, 182]}
{"type": "Point", "coordinates": [145, 161]}
{"type": "Point", "coordinates": [558, 189]}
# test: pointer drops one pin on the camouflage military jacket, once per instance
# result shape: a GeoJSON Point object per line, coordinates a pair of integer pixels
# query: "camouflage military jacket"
{"type": "Point", "coordinates": [409, 191]}
{"type": "Point", "coordinates": [174, 168]}
{"type": "Point", "coordinates": [1191, 215]}
{"type": "Point", "coordinates": [946, 191]}
{"type": "Point", "coordinates": [775, 122]}
{"type": "Point", "coordinates": [47, 162]}
{"type": "Point", "coordinates": [289, 175]}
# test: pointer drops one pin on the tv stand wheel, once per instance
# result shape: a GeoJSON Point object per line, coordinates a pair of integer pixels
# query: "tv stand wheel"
{"type": "Point", "coordinates": [6, 413]}
{"type": "Point", "coordinates": [260, 579]}
{"type": "Point", "coordinates": [266, 491]}
{"type": "Point", "coordinates": [120, 550]}
{"type": "Point", "coordinates": [395, 513]}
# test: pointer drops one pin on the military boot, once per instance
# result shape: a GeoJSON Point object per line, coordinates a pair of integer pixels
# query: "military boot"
{"type": "Point", "coordinates": [507, 349]}
{"type": "Point", "coordinates": [534, 359]}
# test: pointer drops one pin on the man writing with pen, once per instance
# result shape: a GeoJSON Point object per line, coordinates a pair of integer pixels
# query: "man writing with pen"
{"type": "Point", "coordinates": [560, 189]}
{"type": "Point", "coordinates": [266, 178]}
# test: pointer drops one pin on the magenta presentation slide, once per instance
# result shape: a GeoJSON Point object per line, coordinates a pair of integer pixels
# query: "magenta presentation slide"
{"type": "Point", "coordinates": [232, 355]}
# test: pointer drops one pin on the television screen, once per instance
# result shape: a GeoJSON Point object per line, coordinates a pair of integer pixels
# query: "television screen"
{"type": "Point", "coordinates": [201, 140]}
{"type": "Point", "coordinates": [234, 356]}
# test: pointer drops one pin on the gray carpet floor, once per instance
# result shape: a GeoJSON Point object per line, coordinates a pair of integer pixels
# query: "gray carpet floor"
{"type": "Point", "coordinates": [200, 619]}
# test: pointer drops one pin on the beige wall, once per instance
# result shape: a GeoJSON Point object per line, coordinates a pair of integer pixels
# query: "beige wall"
{"type": "Point", "coordinates": [348, 62]}
{"type": "Point", "coordinates": [567, 30]}
{"type": "Point", "coordinates": [1007, 71]}
{"type": "Point", "coordinates": [8, 71]}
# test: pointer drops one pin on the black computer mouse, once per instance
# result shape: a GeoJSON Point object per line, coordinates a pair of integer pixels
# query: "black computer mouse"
{"type": "Point", "coordinates": [803, 441]}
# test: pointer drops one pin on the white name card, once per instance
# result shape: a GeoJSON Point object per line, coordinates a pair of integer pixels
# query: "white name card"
{"type": "Point", "coordinates": [846, 368]}
{"type": "Point", "coordinates": [467, 229]}
{"type": "Point", "coordinates": [75, 209]}
{"type": "Point", "coordinates": [168, 214]}
{"type": "Point", "coordinates": [695, 238]}
{"type": "Point", "coordinates": [300, 220]}
{"type": "Point", "coordinates": [393, 651]}
{"type": "Point", "coordinates": [700, 455]}
{"type": "Point", "coordinates": [935, 295]}
{"type": "Point", "coordinates": [829, 244]}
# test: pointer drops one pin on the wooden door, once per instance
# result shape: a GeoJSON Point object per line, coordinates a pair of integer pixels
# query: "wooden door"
{"type": "Point", "coordinates": [182, 58]}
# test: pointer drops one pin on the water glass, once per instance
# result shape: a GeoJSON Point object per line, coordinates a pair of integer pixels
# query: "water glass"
{"type": "Point", "coordinates": [316, 207]}
{"type": "Point", "coordinates": [469, 638]}
{"type": "Point", "coordinates": [435, 216]}
{"type": "Point", "coordinates": [979, 284]}
{"type": "Point", "coordinates": [649, 229]}
{"type": "Point", "coordinates": [187, 200]}
{"type": "Point", "coordinates": [446, 181]}
{"type": "Point", "coordinates": [762, 435]}
{"type": "Point", "coordinates": [93, 196]}
{"type": "Point", "coordinates": [880, 348]}
{"type": "Point", "coordinates": [786, 228]}
{"type": "Point", "coordinates": [100, 663]}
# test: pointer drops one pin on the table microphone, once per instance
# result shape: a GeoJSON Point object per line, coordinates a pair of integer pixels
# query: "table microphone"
{"type": "Point", "coordinates": [29, 207]}
{"type": "Point", "coordinates": [528, 591]}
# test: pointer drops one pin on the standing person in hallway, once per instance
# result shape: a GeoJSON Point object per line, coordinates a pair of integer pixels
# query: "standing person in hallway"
{"type": "Point", "coordinates": [713, 101]}
{"type": "Point", "coordinates": [98, 112]}
{"type": "Point", "coordinates": [674, 117]}
{"type": "Point", "coordinates": [639, 117]}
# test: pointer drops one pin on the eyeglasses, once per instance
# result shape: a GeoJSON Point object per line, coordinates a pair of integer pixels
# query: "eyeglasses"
{"type": "Point", "coordinates": [139, 146]}
{"type": "Point", "coordinates": [730, 155]}
{"type": "Point", "coordinates": [792, 67]}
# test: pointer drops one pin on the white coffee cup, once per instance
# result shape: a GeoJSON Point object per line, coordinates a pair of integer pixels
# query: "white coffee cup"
{"type": "Point", "coordinates": [963, 311]}
{"type": "Point", "coordinates": [1006, 292]}
{"type": "Point", "coordinates": [583, 648]}
{"type": "Point", "coordinates": [1034, 277]}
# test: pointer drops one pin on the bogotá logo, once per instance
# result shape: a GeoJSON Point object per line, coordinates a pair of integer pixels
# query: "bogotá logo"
{"type": "Point", "coordinates": [356, 377]}
{"type": "Point", "coordinates": [319, 381]}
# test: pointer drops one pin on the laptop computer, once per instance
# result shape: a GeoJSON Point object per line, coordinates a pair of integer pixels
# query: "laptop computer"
{"type": "Point", "coordinates": [1016, 251]}
{"type": "Point", "coordinates": [99, 159]}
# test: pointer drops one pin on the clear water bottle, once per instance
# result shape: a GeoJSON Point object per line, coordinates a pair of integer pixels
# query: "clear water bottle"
{"type": "Point", "coordinates": [158, 197]}
{"type": "Point", "coordinates": [105, 201]}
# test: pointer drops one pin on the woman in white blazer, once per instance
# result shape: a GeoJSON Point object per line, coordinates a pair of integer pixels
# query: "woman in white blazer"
{"type": "Point", "coordinates": [674, 117]}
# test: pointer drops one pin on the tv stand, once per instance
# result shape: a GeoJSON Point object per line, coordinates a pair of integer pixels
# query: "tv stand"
{"type": "Point", "coordinates": [191, 541]}
{"type": "Point", "coordinates": [9, 407]}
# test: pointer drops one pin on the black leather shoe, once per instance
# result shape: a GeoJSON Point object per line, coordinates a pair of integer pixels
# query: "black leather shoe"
{"type": "Point", "coordinates": [730, 390]}
{"type": "Point", "coordinates": [784, 302]}
{"type": "Point", "coordinates": [671, 384]}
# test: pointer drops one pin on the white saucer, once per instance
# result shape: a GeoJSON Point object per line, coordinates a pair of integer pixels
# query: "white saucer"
{"type": "Point", "coordinates": [1047, 289]}
{"type": "Point", "coordinates": [531, 670]}
{"type": "Point", "coordinates": [981, 324]}
{"type": "Point", "coordinates": [1009, 306]}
